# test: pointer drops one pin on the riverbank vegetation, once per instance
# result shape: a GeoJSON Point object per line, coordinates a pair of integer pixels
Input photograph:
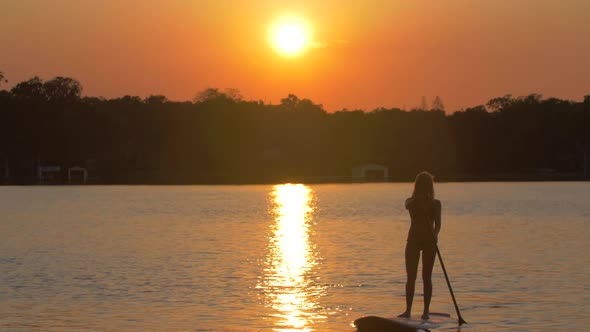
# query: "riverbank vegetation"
{"type": "Point", "coordinates": [219, 137]}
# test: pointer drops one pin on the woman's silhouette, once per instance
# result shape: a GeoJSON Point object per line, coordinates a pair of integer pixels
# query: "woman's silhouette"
{"type": "Point", "coordinates": [425, 214]}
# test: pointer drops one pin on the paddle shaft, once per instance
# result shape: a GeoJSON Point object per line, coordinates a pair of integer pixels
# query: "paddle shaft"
{"type": "Point", "coordinates": [461, 320]}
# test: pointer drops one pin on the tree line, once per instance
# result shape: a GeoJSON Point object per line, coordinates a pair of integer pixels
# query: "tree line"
{"type": "Point", "coordinates": [219, 137]}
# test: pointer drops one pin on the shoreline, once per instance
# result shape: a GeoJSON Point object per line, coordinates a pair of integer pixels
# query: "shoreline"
{"type": "Point", "coordinates": [464, 178]}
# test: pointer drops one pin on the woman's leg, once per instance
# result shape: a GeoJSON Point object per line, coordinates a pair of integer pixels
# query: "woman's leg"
{"type": "Point", "coordinates": [412, 257]}
{"type": "Point", "coordinates": [428, 257]}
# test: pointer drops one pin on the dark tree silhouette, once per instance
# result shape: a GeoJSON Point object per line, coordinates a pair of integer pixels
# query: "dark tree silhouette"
{"type": "Point", "coordinates": [62, 89]}
{"type": "Point", "coordinates": [156, 100]}
{"type": "Point", "coordinates": [221, 138]}
{"type": "Point", "coordinates": [215, 95]}
{"type": "Point", "coordinates": [30, 90]}
{"type": "Point", "coordinates": [3, 78]}
{"type": "Point", "coordinates": [437, 104]}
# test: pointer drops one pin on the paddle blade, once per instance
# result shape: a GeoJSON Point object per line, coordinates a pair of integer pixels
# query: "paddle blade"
{"type": "Point", "coordinates": [461, 321]}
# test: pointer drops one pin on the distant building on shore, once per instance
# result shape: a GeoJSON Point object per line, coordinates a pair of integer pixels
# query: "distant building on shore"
{"type": "Point", "coordinates": [49, 174]}
{"type": "Point", "coordinates": [77, 175]}
{"type": "Point", "coordinates": [370, 173]}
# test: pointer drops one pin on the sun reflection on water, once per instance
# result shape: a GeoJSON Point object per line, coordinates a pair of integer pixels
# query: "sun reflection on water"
{"type": "Point", "coordinates": [287, 283]}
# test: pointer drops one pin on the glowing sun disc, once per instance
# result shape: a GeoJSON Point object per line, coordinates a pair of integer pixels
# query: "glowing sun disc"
{"type": "Point", "coordinates": [290, 36]}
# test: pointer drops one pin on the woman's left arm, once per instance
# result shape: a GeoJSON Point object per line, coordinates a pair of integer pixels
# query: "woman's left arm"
{"type": "Point", "coordinates": [437, 218]}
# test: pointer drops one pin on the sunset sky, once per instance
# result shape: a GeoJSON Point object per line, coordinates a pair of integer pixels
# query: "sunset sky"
{"type": "Point", "coordinates": [362, 54]}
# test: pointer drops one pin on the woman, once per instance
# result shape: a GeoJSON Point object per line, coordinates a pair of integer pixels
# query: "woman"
{"type": "Point", "coordinates": [425, 212]}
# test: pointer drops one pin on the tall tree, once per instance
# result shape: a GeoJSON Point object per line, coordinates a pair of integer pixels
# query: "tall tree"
{"type": "Point", "coordinates": [3, 77]}
{"type": "Point", "coordinates": [500, 103]}
{"type": "Point", "coordinates": [437, 104]}
{"type": "Point", "coordinates": [214, 94]}
{"type": "Point", "coordinates": [31, 89]}
{"type": "Point", "coordinates": [62, 89]}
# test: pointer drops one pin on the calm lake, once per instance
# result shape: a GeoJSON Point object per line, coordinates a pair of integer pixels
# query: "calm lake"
{"type": "Point", "coordinates": [287, 257]}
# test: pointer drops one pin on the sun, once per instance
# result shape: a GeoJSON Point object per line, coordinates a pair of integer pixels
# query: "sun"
{"type": "Point", "coordinates": [290, 36]}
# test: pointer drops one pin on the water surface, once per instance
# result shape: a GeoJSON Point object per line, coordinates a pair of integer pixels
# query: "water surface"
{"type": "Point", "coordinates": [286, 257]}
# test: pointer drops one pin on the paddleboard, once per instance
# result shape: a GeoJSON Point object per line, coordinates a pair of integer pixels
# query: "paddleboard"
{"type": "Point", "coordinates": [399, 324]}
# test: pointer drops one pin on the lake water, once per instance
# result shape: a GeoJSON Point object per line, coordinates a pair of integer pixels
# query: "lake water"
{"type": "Point", "coordinates": [286, 257]}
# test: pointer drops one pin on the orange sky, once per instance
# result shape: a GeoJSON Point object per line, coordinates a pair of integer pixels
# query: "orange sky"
{"type": "Point", "coordinates": [371, 53]}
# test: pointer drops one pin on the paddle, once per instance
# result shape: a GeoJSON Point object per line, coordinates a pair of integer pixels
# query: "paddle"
{"type": "Point", "coordinates": [461, 320]}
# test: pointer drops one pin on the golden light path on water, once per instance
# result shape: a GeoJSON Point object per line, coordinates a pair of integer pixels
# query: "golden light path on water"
{"type": "Point", "coordinates": [287, 283]}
